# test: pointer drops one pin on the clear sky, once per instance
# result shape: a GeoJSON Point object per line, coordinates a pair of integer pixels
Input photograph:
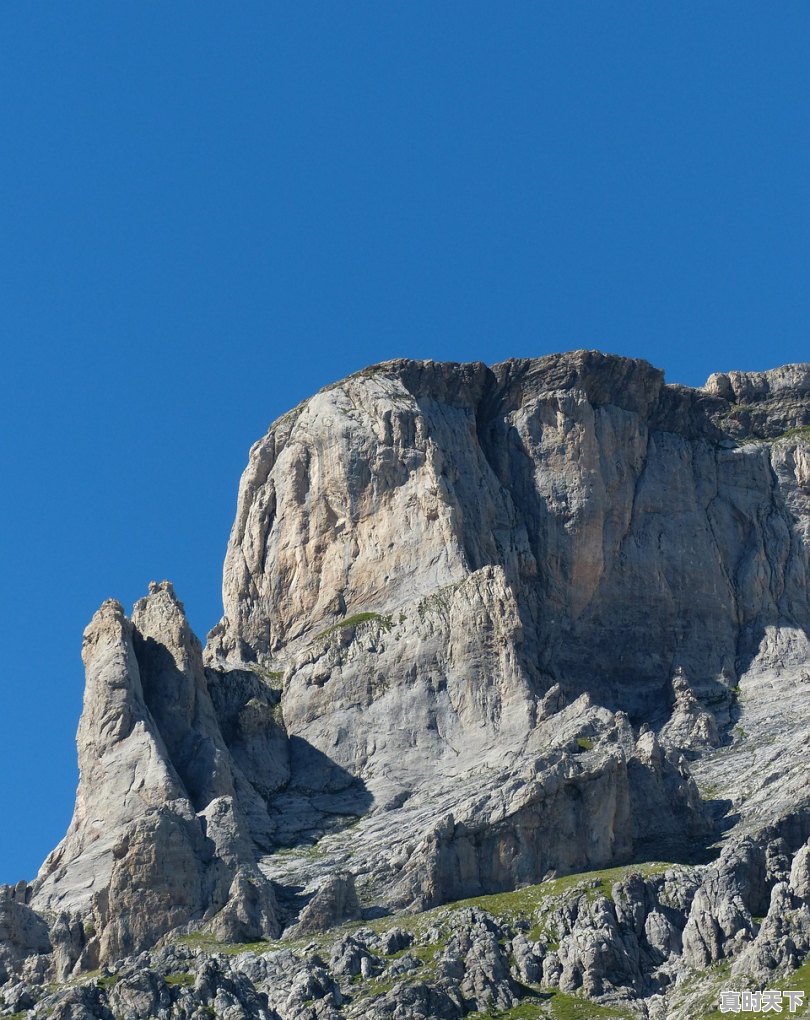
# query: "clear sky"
{"type": "Point", "coordinates": [209, 210]}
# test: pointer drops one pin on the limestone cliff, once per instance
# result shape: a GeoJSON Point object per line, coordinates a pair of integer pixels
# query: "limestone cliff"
{"type": "Point", "coordinates": [483, 627]}
{"type": "Point", "coordinates": [461, 575]}
{"type": "Point", "coordinates": [158, 836]}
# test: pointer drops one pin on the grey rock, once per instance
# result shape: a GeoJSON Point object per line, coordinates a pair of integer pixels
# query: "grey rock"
{"type": "Point", "coordinates": [229, 993]}
{"type": "Point", "coordinates": [800, 874]}
{"type": "Point", "coordinates": [528, 960]}
{"type": "Point", "coordinates": [552, 970]}
{"type": "Point", "coordinates": [16, 998]}
{"type": "Point", "coordinates": [731, 893]}
{"type": "Point", "coordinates": [347, 957]}
{"type": "Point", "coordinates": [394, 940]}
{"type": "Point", "coordinates": [483, 626]}
{"type": "Point", "coordinates": [124, 770]}
{"type": "Point", "coordinates": [74, 944]}
{"type": "Point", "coordinates": [23, 932]}
{"type": "Point", "coordinates": [487, 982]}
{"type": "Point", "coordinates": [158, 882]}
{"type": "Point", "coordinates": [144, 854]}
{"type": "Point", "coordinates": [332, 904]}
{"type": "Point", "coordinates": [404, 965]}
{"type": "Point", "coordinates": [662, 936]}
{"type": "Point", "coordinates": [250, 913]}
{"type": "Point", "coordinates": [763, 404]}
{"type": "Point", "coordinates": [489, 470]}
{"type": "Point", "coordinates": [783, 938]}
{"type": "Point", "coordinates": [139, 996]}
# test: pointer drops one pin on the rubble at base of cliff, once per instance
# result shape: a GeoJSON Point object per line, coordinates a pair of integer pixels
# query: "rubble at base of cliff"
{"type": "Point", "coordinates": [653, 940]}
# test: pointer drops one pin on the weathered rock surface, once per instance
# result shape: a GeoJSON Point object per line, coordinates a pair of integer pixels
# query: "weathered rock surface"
{"type": "Point", "coordinates": [612, 937]}
{"type": "Point", "coordinates": [440, 559]}
{"type": "Point", "coordinates": [482, 626]}
{"type": "Point", "coordinates": [23, 933]}
{"type": "Point", "coordinates": [334, 903]}
{"type": "Point", "coordinates": [157, 836]}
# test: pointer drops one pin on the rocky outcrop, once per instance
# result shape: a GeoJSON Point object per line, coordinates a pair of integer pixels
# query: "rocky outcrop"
{"type": "Point", "coordinates": [333, 903]}
{"type": "Point", "coordinates": [483, 627]}
{"type": "Point", "coordinates": [763, 405]}
{"type": "Point", "coordinates": [23, 933]}
{"type": "Point", "coordinates": [437, 558]}
{"type": "Point", "coordinates": [250, 911]}
{"type": "Point", "coordinates": [618, 938]}
{"type": "Point", "coordinates": [158, 834]}
{"type": "Point", "coordinates": [582, 476]}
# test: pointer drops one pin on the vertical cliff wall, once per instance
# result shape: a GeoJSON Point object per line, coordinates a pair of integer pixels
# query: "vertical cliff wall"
{"type": "Point", "coordinates": [481, 625]}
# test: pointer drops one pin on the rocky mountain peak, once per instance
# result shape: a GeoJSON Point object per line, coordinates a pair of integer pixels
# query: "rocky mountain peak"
{"type": "Point", "coordinates": [483, 626]}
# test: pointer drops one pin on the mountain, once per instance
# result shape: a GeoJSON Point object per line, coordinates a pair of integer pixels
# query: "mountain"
{"type": "Point", "coordinates": [484, 628]}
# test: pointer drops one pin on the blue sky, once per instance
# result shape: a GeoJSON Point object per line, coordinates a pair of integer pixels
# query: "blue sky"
{"type": "Point", "coordinates": [209, 211]}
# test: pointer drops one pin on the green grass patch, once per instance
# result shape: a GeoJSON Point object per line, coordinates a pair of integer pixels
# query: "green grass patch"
{"type": "Point", "coordinates": [527, 900]}
{"type": "Point", "coordinates": [181, 980]}
{"type": "Point", "coordinates": [716, 978]}
{"type": "Point", "coordinates": [200, 940]}
{"type": "Point", "coordinates": [270, 676]}
{"type": "Point", "coordinates": [235, 948]}
{"type": "Point", "coordinates": [553, 1004]}
{"type": "Point", "coordinates": [523, 1011]}
{"type": "Point", "coordinates": [737, 411]}
{"type": "Point", "coordinates": [365, 373]}
{"type": "Point", "coordinates": [356, 620]}
{"type": "Point", "coordinates": [796, 981]}
{"type": "Point", "coordinates": [204, 940]}
{"type": "Point", "coordinates": [438, 601]}
{"type": "Point", "coordinates": [584, 743]}
{"type": "Point", "coordinates": [307, 851]}
{"type": "Point", "coordinates": [802, 432]}
{"type": "Point", "coordinates": [569, 1007]}
{"type": "Point", "coordinates": [519, 904]}
{"type": "Point", "coordinates": [427, 954]}
{"type": "Point", "coordinates": [374, 987]}
{"type": "Point", "coordinates": [799, 981]}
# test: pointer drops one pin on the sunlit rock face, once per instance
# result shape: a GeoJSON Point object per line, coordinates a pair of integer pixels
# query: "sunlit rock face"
{"type": "Point", "coordinates": [632, 538]}
{"type": "Point", "coordinates": [482, 626]}
{"type": "Point", "coordinates": [161, 828]}
{"type": "Point", "coordinates": [462, 575]}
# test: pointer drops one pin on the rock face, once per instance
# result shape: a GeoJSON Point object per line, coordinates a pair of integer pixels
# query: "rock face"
{"type": "Point", "coordinates": [620, 937]}
{"type": "Point", "coordinates": [22, 931]}
{"type": "Point", "coordinates": [463, 574]}
{"type": "Point", "coordinates": [157, 836]}
{"type": "Point", "coordinates": [483, 626]}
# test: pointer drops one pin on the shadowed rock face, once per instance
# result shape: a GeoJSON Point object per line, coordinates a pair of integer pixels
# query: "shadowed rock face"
{"type": "Point", "coordinates": [480, 626]}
